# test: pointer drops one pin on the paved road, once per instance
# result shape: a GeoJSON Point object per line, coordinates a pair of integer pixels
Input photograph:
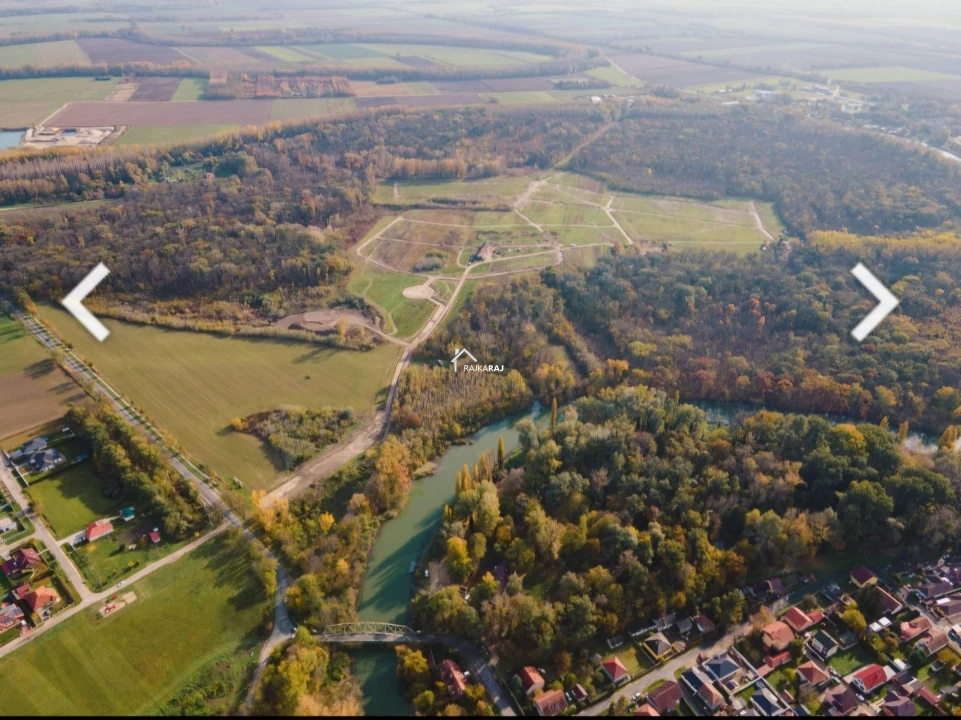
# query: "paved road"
{"type": "Point", "coordinates": [476, 664]}
{"type": "Point", "coordinates": [42, 533]}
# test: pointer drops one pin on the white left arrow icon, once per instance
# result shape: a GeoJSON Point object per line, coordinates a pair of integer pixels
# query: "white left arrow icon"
{"type": "Point", "coordinates": [886, 302]}
{"type": "Point", "coordinates": [74, 302]}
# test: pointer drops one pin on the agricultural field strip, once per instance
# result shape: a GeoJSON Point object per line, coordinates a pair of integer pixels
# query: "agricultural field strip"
{"type": "Point", "coordinates": [668, 215]}
{"type": "Point", "coordinates": [606, 208]}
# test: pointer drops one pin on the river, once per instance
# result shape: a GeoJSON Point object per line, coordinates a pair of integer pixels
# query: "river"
{"type": "Point", "coordinates": [385, 594]}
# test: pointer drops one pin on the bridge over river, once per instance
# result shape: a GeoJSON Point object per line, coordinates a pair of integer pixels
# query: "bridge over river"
{"type": "Point", "coordinates": [392, 634]}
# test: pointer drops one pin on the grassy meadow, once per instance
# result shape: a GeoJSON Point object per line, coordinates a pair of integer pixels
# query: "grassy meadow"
{"type": "Point", "coordinates": [185, 617]}
{"type": "Point", "coordinates": [71, 499]}
{"type": "Point", "coordinates": [193, 384]}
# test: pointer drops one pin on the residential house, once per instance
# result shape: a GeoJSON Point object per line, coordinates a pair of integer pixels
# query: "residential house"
{"type": "Point", "coordinates": [912, 628]}
{"type": "Point", "coordinates": [7, 524]}
{"type": "Point", "coordinates": [29, 449]}
{"type": "Point", "coordinates": [666, 622]}
{"type": "Point", "coordinates": [98, 529]}
{"type": "Point", "coordinates": [772, 662]}
{"type": "Point", "coordinates": [154, 537]}
{"type": "Point", "coordinates": [579, 693]}
{"type": "Point", "coordinates": [838, 701]}
{"type": "Point", "coordinates": [767, 703]}
{"type": "Point", "coordinates": [949, 607]}
{"type": "Point", "coordinates": [531, 680]}
{"type": "Point", "coordinates": [10, 617]}
{"type": "Point", "coordinates": [862, 577]}
{"type": "Point", "coordinates": [46, 460]}
{"type": "Point", "coordinates": [615, 670]}
{"type": "Point", "coordinates": [685, 626]}
{"type": "Point", "coordinates": [703, 624]}
{"type": "Point", "coordinates": [550, 703]}
{"type": "Point", "coordinates": [898, 706]}
{"type": "Point", "coordinates": [666, 697]}
{"type": "Point", "coordinates": [42, 600]}
{"type": "Point", "coordinates": [891, 605]}
{"type": "Point", "coordinates": [23, 562]}
{"type": "Point", "coordinates": [21, 590]}
{"type": "Point", "coordinates": [869, 678]}
{"type": "Point", "coordinates": [931, 698]}
{"type": "Point", "coordinates": [721, 667]}
{"type": "Point", "coordinates": [823, 645]}
{"type": "Point", "coordinates": [127, 514]}
{"type": "Point", "coordinates": [646, 710]}
{"type": "Point", "coordinates": [657, 645]}
{"type": "Point", "coordinates": [908, 685]}
{"type": "Point", "coordinates": [810, 673]}
{"type": "Point", "coordinates": [799, 621]}
{"type": "Point", "coordinates": [934, 590]}
{"type": "Point", "coordinates": [453, 677]}
{"type": "Point", "coordinates": [700, 684]}
{"type": "Point", "coordinates": [932, 642]}
{"type": "Point", "coordinates": [774, 586]}
{"type": "Point", "coordinates": [777, 636]}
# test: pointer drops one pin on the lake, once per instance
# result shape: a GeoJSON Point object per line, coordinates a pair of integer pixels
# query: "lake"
{"type": "Point", "coordinates": [10, 138]}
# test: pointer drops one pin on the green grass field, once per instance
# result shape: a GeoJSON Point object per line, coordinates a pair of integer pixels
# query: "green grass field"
{"type": "Point", "coordinates": [459, 57]}
{"type": "Point", "coordinates": [296, 108]}
{"type": "Point", "coordinates": [190, 89]}
{"type": "Point", "coordinates": [847, 661]}
{"type": "Point", "coordinates": [48, 54]}
{"type": "Point", "coordinates": [193, 384]}
{"type": "Point", "coordinates": [169, 134]}
{"type": "Point", "coordinates": [71, 499]}
{"type": "Point", "coordinates": [284, 53]}
{"type": "Point", "coordinates": [385, 289]}
{"type": "Point", "coordinates": [499, 189]}
{"type": "Point", "coordinates": [185, 616]}
{"type": "Point", "coordinates": [27, 102]}
{"type": "Point", "coordinates": [103, 563]}
{"type": "Point", "coordinates": [615, 77]}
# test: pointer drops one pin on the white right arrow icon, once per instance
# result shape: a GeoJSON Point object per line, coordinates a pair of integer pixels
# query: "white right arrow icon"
{"type": "Point", "coordinates": [886, 302]}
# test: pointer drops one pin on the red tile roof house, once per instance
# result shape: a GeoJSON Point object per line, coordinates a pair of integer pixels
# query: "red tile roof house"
{"type": "Point", "coordinates": [869, 678]}
{"type": "Point", "coordinates": [531, 680]}
{"type": "Point", "coordinates": [931, 699]}
{"type": "Point", "coordinates": [930, 643]}
{"type": "Point", "coordinates": [615, 670]}
{"type": "Point", "coordinates": [98, 529]}
{"type": "Point", "coordinates": [646, 711]}
{"type": "Point", "coordinates": [891, 604]}
{"type": "Point", "coordinates": [550, 703]}
{"type": "Point", "coordinates": [863, 576]}
{"type": "Point", "coordinates": [777, 636]}
{"type": "Point", "coordinates": [799, 621]}
{"type": "Point", "coordinates": [42, 599]}
{"type": "Point", "coordinates": [811, 673]}
{"type": "Point", "coordinates": [21, 590]}
{"type": "Point", "coordinates": [23, 561]}
{"type": "Point", "coordinates": [451, 674]}
{"type": "Point", "coordinates": [665, 698]}
{"type": "Point", "coordinates": [913, 628]}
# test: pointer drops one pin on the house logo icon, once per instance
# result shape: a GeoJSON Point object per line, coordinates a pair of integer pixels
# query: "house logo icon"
{"type": "Point", "coordinates": [459, 354]}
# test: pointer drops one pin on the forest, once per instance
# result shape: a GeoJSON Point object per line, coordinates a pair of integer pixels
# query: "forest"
{"type": "Point", "coordinates": [135, 472]}
{"type": "Point", "coordinates": [631, 505]}
{"type": "Point", "coordinates": [819, 175]}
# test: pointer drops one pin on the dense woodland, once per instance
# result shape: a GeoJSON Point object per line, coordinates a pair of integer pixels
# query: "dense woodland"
{"type": "Point", "coordinates": [297, 433]}
{"type": "Point", "coordinates": [631, 505]}
{"type": "Point", "coordinates": [135, 472]}
{"type": "Point", "coordinates": [818, 174]}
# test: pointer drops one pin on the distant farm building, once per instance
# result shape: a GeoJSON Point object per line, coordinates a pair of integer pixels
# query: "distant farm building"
{"type": "Point", "coordinates": [127, 514]}
{"type": "Point", "coordinates": [484, 252]}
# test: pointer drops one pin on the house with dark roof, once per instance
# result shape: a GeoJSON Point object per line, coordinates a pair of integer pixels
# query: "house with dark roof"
{"type": "Point", "coordinates": [823, 645]}
{"type": "Point", "coordinates": [898, 706]}
{"type": "Point", "coordinates": [29, 448]}
{"type": "Point", "coordinates": [531, 680]}
{"type": "Point", "coordinates": [666, 697]}
{"type": "Point", "coordinates": [23, 561]}
{"type": "Point", "coordinates": [46, 460]}
{"type": "Point", "coordinates": [657, 645]}
{"type": "Point", "coordinates": [869, 678]}
{"type": "Point", "coordinates": [862, 577]}
{"type": "Point", "coordinates": [10, 617]}
{"type": "Point", "coordinates": [891, 605]}
{"type": "Point", "coordinates": [702, 687]}
{"type": "Point", "coordinates": [721, 667]}
{"type": "Point", "coordinates": [912, 628]}
{"type": "Point", "coordinates": [949, 607]}
{"type": "Point", "coordinates": [934, 590]}
{"type": "Point", "coordinates": [579, 693]}
{"type": "Point", "coordinates": [810, 673]}
{"type": "Point", "coordinates": [767, 703]}
{"type": "Point", "coordinates": [703, 624]}
{"type": "Point", "coordinates": [685, 626]}
{"type": "Point", "coordinates": [777, 636]}
{"type": "Point", "coordinates": [615, 670]}
{"type": "Point", "coordinates": [550, 703]}
{"type": "Point", "coordinates": [453, 677]}
{"type": "Point", "coordinates": [838, 701]}
{"type": "Point", "coordinates": [932, 642]}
